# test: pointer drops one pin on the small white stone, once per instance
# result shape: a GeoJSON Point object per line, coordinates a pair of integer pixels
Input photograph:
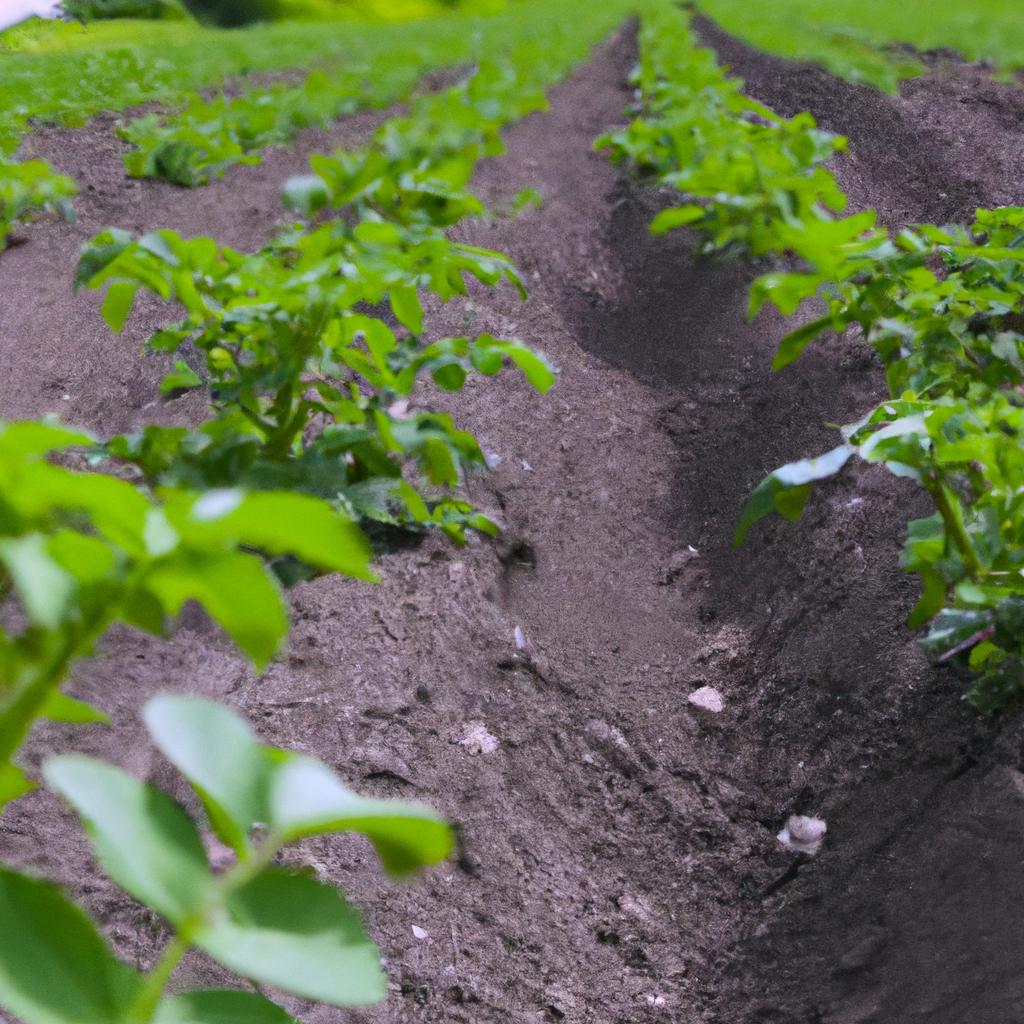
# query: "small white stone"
{"type": "Point", "coordinates": [708, 698]}
{"type": "Point", "coordinates": [520, 639]}
{"type": "Point", "coordinates": [493, 460]}
{"type": "Point", "coordinates": [527, 468]}
{"type": "Point", "coordinates": [803, 834]}
{"type": "Point", "coordinates": [420, 933]}
{"type": "Point", "coordinates": [478, 740]}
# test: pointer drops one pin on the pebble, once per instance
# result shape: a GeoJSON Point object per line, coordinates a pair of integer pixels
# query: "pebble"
{"type": "Point", "coordinates": [803, 834]}
{"type": "Point", "coordinates": [477, 739]}
{"type": "Point", "coordinates": [708, 698]}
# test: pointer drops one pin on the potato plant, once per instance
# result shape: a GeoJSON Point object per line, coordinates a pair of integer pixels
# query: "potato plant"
{"type": "Point", "coordinates": [81, 551]}
{"type": "Point", "coordinates": [313, 345]}
{"type": "Point", "coordinates": [207, 136]}
{"type": "Point", "coordinates": [943, 307]}
{"type": "Point", "coordinates": [944, 310]}
{"type": "Point", "coordinates": [28, 188]}
{"type": "Point", "coordinates": [271, 924]}
{"type": "Point", "coordinates": [746, 171]}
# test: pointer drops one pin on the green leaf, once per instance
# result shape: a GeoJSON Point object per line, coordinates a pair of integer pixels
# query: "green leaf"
{"type": "Point", "coordinates": [677, 217]}
{"type": "Point", "coordinates": [953, 627]}
{"type": "Point", "coordinates": [219, 755]}
{"type": "Point", "coordinates": [60, 707]}
{"type": "Point", "coordinates": [306, 194]}
{"type": "Point", "coordinates": [295, 796]}
{"type": "Point", "coordinates": [238, 591]}
{"type": "Point", "coordinates": [159, 244]}
{"type": "Point", "coordinates": [14, 784]}
{"type": "Point", "coordinates": [933, 597]}
{"type": "Point", "coordinates": [450, 376]}
{"type": "Point", "coordinates": [143, 840]}
{"type": "Point", "coordinates": [220, 1006]}
{"type": "Point", "coordinates": [306, 798]}
{"type": "Point", "coordinates": [535, 368]}
{"type": "Point", "coordinates": [769, 495]}
{"type": "Point", "coordinates": [794, 343]}
{"type": "Point", "coordinates": [27, 437]}
{"type": "Point", "coordinates": [791, 501]}
{"type": "Point", "coordinates": [181, 378]}
{"type": "Point", "coordinates": [405, 304]}
{"type": "Point", "coordinates": [297, 935]}
{"type": "Point", "coordinates": [98, 254]}
{"type": "Point", "coordinates": [44, 587]}
{"type": "Point", "coordinates": [280, 523]}
{"type": "Point", "coordinates": [438, 462]}
{"type": "Point", "coordinates": [117, 304]}
{"type": "Point", "coordinates": [55, 968]}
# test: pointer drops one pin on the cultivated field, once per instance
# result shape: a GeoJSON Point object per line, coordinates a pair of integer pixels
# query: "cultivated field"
{"type": "Point", "coordinates": [429, 388]}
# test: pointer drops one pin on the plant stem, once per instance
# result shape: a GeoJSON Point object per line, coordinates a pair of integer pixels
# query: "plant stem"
{"type": "Point", "coordinates": [955, 527]}
{"type": "Point", "coordinates": [145, 1006]}
{"type": "Point", "coordinates": [31, 696]}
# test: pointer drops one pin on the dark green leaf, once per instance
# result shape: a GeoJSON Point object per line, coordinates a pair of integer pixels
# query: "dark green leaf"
{"type": "Point", "coordinates": [220, 1006]}
{"type": "Point", "coordinates": [55, 968]}
{"type": "Point", "coordinates": [99, 253]}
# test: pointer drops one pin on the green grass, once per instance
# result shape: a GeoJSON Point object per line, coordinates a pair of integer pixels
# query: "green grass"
{"type": "Point", "coordinates": [855, 38]}
{"type": "Point", "coordinates": [64, 73]}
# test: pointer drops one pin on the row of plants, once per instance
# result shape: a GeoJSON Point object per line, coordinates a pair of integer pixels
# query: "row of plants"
{"type": "Point", "coordinates": [311, 349]}
{"type": "Point", "coordinates": [207, 136]}
{"type": "Point", "coordinates": [363, 66]}
{"type": "Point", "coordinates": [875, 43]}
{"type": "Point", "coordinates": [943, 307]}
{"type": "Point", "coordinates": [29, 188]}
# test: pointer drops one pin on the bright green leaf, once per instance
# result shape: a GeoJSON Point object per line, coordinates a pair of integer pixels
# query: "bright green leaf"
{"type": "Point", "coordinates": [306, 798]}
{"type": "Point", "coordinates": [143, 839]}
{"type": "Point", "coordinates": [217, 752]}
{"type": "Point", "coordinates": [298, 935]}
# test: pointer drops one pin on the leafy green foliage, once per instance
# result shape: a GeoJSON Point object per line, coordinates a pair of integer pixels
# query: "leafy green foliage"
{"type": "Point", "coordinates": [80, 551]}
{"type": "Point", "coordinates": [866, 40]}
{"type": "Point", "coordinates": [29, 188]}
{"type": "Point", "coordinates": [747, 172]}
{"type": "Point", "coordinates": [231, 13]}
{"type": "Point", "coordinates": [944, 310]}
{"type": "Point", "coordinates": [942, 307]}
{"type": "Point", "coordinates": [308, 374]}
{"type": "Point", "coordinates": [95, 10]}
{"type": "Point", "coordinates": [209, 135]}
{"type": "Point", "coordinates": [269, 924]}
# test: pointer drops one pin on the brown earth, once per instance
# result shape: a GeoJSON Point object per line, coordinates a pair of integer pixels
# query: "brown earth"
{"type": "Point", "coordinates": [619, 861]}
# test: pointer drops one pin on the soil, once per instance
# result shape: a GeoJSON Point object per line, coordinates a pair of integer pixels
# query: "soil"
{"type": "Point", "coordinates": [618, 858]}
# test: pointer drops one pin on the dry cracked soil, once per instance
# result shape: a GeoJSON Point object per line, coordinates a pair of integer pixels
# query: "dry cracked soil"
{"type": "Point", "coordinates": [618, 861]}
